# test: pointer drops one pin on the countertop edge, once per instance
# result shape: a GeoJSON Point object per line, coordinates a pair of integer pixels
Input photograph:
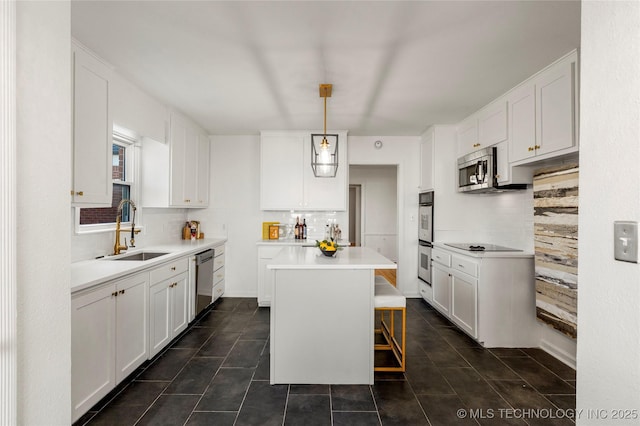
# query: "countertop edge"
{"type": "Point", "coordinates": [310, 242]}
{"type": "Point", "coordinates": [337, 266]}
{"type": "Point", "coordinates": [484, 254]}
{"type": "Point", "coordinates": [83, 278]}
{"type": "Point", "coordinates": [301, 258]}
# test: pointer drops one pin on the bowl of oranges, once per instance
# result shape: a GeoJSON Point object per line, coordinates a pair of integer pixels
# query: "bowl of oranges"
{"type": "Point", "coordinates": [328, 247]}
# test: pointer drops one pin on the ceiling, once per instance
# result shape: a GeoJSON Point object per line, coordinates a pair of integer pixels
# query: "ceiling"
{"type": "Point", "coordinates": [396, 67]}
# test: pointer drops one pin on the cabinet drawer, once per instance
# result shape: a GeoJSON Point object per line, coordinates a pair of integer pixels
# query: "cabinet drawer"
{"type": "Point", "coordinates": [425, 291]}
{"type": "Point", "coordinates": [218, 276]}
{"type": "Point", "coordinates": [218, 261]}
{"type": "Point", "coordinates": [464, 265]}
{"type": "Point", "coordinates": [169, 269]}
{"type": "Point", "coordinates": [440, 256]}
{"type": "Point", "coordinates": [218, 290]}
{"type": "Point", "coordinates": [219, 251]}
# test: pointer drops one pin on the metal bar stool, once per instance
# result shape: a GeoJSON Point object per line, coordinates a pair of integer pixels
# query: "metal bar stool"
{"type": "Point", "coordinates": [388, 300]}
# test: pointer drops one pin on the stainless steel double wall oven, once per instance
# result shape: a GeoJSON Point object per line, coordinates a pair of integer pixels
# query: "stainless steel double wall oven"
{"type": "Point", "coordinates": [425, 235]}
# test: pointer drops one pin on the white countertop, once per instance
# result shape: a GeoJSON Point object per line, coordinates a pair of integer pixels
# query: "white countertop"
{"type": "Point", "coordinates": [312, 258]}
{"type": "Point", "coordinates": [87, 273]}
{"type": "Point", "coordinates": [482, 254]}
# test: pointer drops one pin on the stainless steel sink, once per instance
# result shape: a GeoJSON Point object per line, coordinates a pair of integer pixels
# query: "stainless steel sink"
{"type": "Point", "coordinates": [142, 255]}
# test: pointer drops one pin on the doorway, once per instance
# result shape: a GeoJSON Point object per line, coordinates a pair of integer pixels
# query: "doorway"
{"type": "Point", "coordinates": [355, 204]}
{"type": "Point", "coordinates": [373, 209]}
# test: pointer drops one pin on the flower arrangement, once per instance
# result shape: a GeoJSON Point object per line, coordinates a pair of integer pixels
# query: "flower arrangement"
{"type": "Point", "coordinates": [328, 248]}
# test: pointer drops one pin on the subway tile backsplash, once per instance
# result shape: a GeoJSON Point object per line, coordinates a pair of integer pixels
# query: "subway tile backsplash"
{"type": "Point", "coordinates": [316, 221]}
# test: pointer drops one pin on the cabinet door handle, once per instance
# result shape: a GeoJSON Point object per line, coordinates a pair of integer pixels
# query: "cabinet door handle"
{"type": "Point", "coordinates": [114, 294]}
{"type": "Point", "coordinates": [537, 147]}
{"type": "Point", "coordinates": [173, 268]}
{"type": "Point", "coordinates": [462, 266]}
{"type": "Point", "coordinates": [121, 292]}
{"type": "Point", "coordinates": [80, 193]}
{"type": "Point", "coordinates": [530, 149]}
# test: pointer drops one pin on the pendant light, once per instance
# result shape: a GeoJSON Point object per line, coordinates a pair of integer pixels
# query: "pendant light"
{"type": "Point", "coordinates": [324, 147]}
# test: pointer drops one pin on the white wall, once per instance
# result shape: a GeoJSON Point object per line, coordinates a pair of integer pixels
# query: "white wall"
{"type": "Point", "coordinates": [609, 298]}
{"type": "Point", "coordinates": [379, 207]}
{"type": "Point", "coordinates": [43, 165]}
{"type": "Point", "coordinates": [403, 151]}
{"type": "Point", "coordinates": [503, 218]}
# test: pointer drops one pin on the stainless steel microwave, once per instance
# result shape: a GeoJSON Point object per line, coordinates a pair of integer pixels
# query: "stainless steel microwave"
{"type": "Point", "coordinates": [477, 173]}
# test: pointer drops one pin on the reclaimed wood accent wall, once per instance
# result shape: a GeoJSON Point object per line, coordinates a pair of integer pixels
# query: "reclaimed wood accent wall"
{"type": "Point", "coordinates": [555, 220]}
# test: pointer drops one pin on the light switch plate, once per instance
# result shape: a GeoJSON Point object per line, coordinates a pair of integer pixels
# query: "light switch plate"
{"type": "Point", "coordinates": [625, 241]}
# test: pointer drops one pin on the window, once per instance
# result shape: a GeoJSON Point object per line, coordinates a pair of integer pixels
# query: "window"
{"type": "Point", "coordinates": [123, 174]}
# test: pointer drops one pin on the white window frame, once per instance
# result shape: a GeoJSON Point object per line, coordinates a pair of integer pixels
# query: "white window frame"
{"type": "Point", "coordinates": [131, 142]}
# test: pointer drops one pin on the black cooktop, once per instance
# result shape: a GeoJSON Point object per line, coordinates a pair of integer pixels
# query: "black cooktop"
{"type": "Point", "coordinates": [480, 247]}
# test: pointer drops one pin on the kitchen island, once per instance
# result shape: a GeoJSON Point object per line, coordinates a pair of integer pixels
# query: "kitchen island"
{"type": "Point", "coordinates": [322, 315]}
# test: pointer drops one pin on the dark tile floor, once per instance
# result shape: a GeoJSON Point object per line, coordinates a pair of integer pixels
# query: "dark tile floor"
{"type": "Point", "coordinates": [217, 373]}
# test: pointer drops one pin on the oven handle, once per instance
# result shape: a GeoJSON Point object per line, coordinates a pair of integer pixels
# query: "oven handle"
{"type": "Point", "coordinates": [425, 243]}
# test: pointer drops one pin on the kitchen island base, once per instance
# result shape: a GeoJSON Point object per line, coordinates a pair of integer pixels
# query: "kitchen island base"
{"type": "Point", "coordinates": [322, 325]}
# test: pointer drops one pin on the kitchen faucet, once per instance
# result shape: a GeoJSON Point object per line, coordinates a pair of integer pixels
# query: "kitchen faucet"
{"type": "Point", "coordinates": [117, 248]}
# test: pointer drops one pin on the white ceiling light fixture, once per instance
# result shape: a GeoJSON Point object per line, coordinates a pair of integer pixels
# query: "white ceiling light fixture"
{"type": "Point", "coordinates": [324, 147]}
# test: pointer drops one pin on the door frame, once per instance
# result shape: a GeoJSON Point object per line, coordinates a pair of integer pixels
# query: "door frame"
{"type": "Point", "coordinates": [8, 220]}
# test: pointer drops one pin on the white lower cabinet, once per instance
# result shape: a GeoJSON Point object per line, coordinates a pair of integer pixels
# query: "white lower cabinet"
{"type": "Point", "coordinates": [265, 279]}
{"type": "Point", "coordinates": [218, 273]}
{"type": "Point", "coordinates": [168, 304]}
{"type": "Point", "coordinates": [441, 288]}
{"type": "Point", "coordinates": [464, 302]}
{"type": "Point", "coordinates": [118, 325]}
{"type": "Point", "coordinates": [108, 338]}
{"type": "Point", "coordinates": [490, 298]}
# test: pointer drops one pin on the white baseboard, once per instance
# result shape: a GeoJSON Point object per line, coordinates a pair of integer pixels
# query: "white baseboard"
{"type": "Point", "coordinates": [239, 294]}
{"type": "Point", "coordinates": [558, 345]}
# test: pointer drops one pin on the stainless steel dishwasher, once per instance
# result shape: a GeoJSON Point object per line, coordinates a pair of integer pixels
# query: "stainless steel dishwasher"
{"type": "Point", "coordinates": [204, 280]}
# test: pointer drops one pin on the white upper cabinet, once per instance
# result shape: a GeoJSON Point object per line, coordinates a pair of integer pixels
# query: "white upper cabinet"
{"type": "Point", "coordinates": [492, 123]}
{"type": "Point", "coordinates": [522, 122]}
{"type": "Point", "coordinates": [467, 132]}
{"type": "Point", "coordinates": [92, 130]}
{"type": "Point", "coordinates": [135, 110]}
{"type": "Point", "coordinates": [286, 178]}
{"type": "Point", "coordinates": [543, 113]}
{"type": "Point", "coordinates": [176, 174]}
{"type": "Point", "coordinates": [556, 107]}
{"type": "Point", "coordinates": [535, 121]}
{"type": "Point", "coordinates": [281, 171]}
{"type": "Point", "coordinates": [484, 128]}
{"type": "Point", "coordinates": [204, 169]}
{"type": "Point", "coordinates": [427, 147]}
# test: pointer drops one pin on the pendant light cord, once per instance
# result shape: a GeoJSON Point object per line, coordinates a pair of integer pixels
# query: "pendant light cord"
{"type": "Point", "coordinates": [325, 116]}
